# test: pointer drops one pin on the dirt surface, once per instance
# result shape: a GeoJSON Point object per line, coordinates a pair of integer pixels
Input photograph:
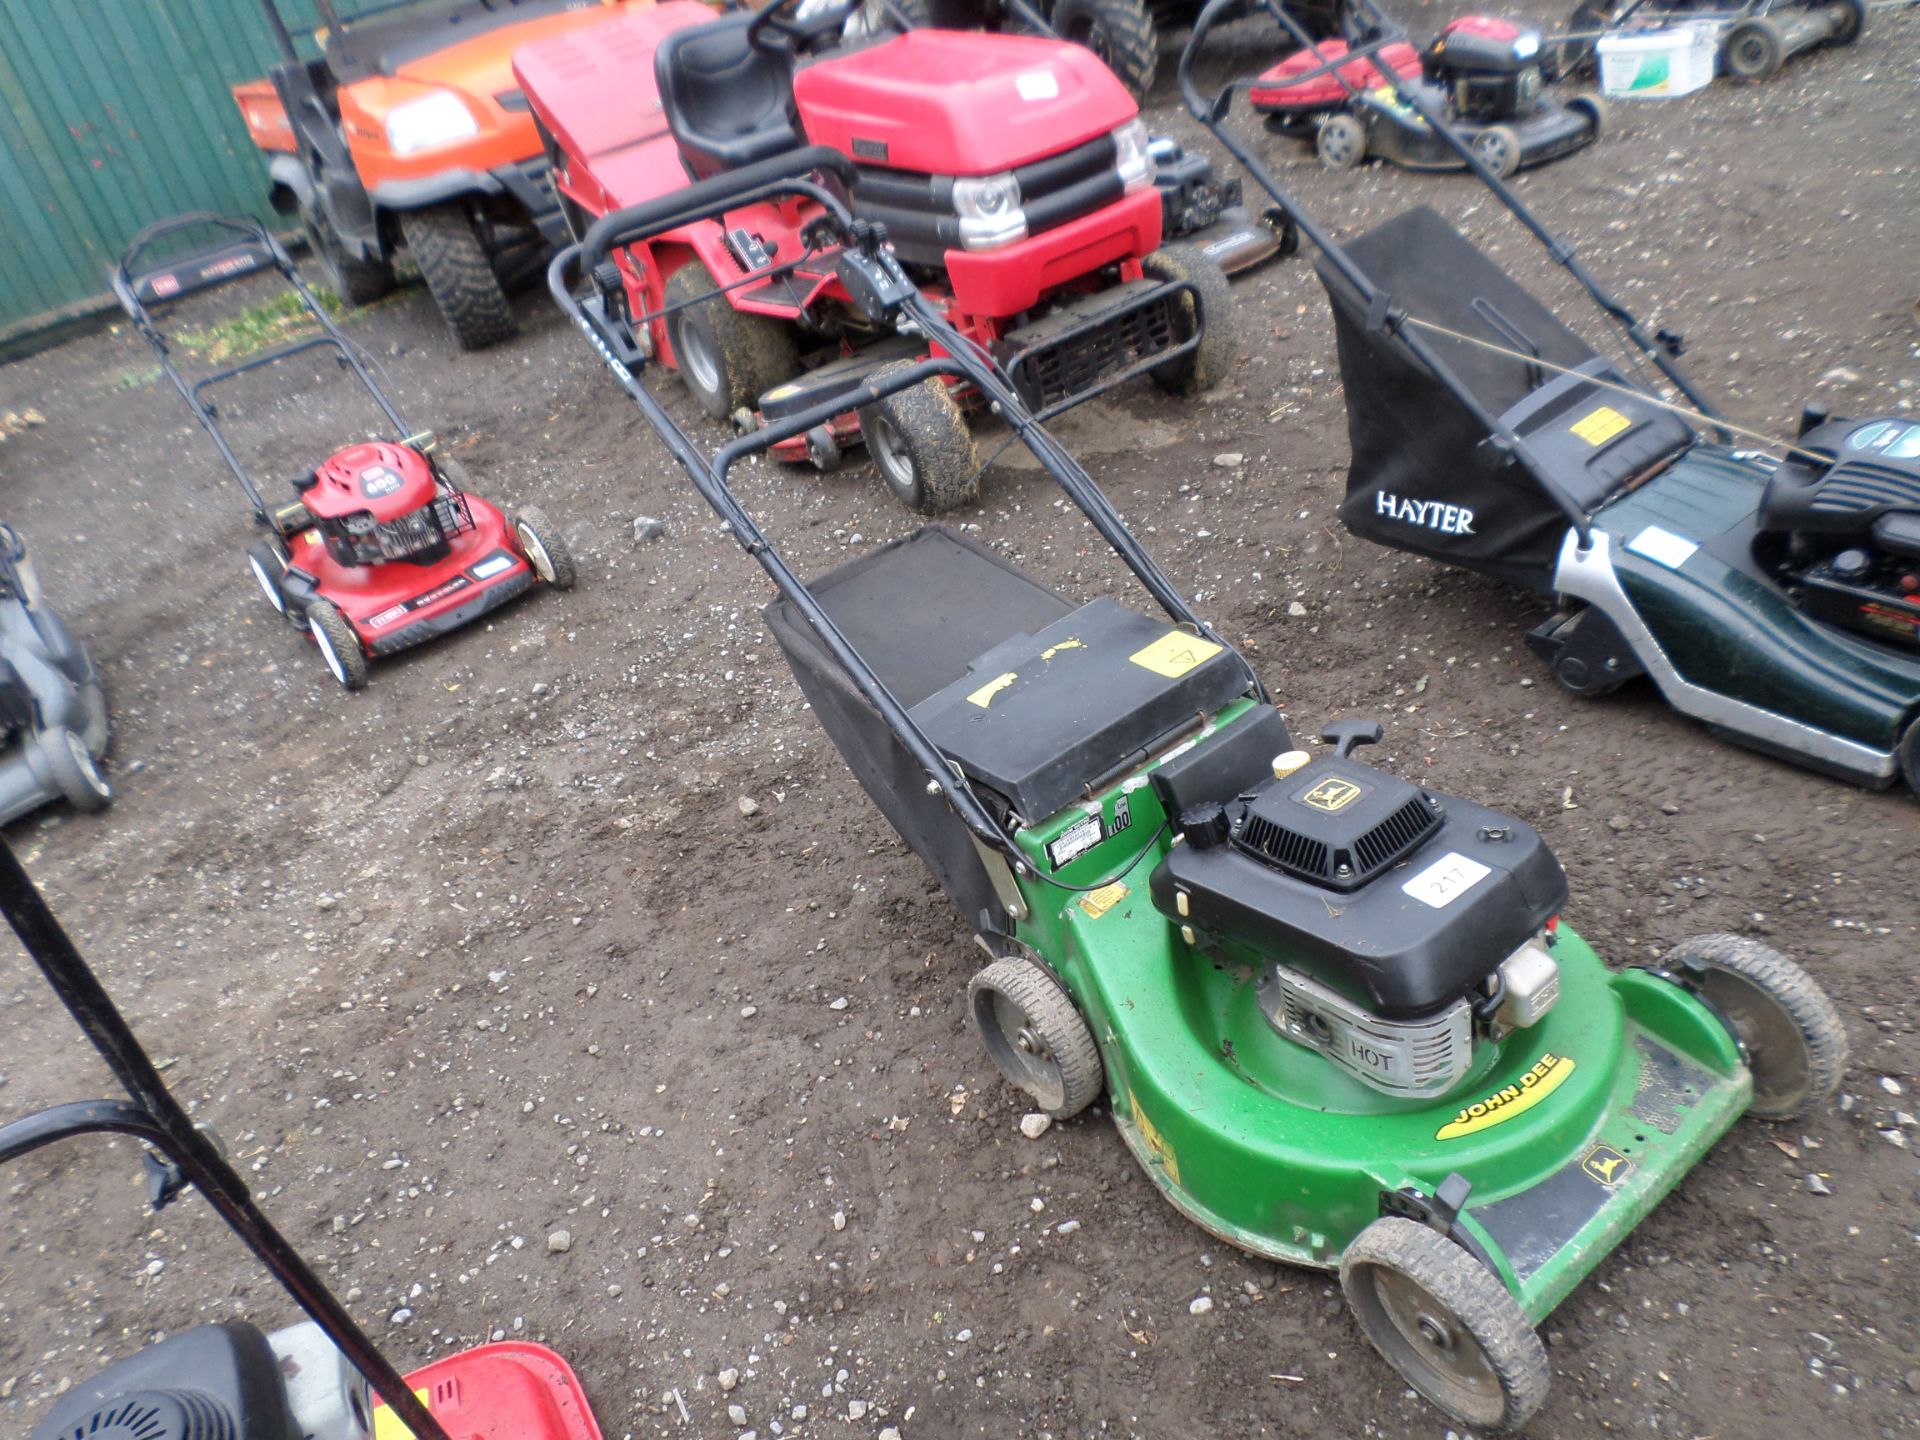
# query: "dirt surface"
{"type": "Point", "coordinates": [491, 951]}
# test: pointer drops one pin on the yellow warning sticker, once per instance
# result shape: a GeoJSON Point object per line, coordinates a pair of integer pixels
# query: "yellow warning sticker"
{"type": "Point", "coordinates": [389, 1426]}
{"type": "Point", "coordinates": [1069, 644]}
{"type": "Point", "coordinates": [983, 697]}
{"type": "Point", "coordinates": [313, 537]}
{"type": "Point", "coordinates": [1098, 902]}
{"type": "Point", "coordinates": [1157, 1147]}
{"type": "Point", "coordinates": [1549, 1072]}
{"type": "Point", "coordinates": [1174, 654]}
{"type": "Point", "coordinates": [1600, 426]}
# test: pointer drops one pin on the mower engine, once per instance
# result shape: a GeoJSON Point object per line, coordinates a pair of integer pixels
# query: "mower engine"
{"type": "Point", "coordinates": [1391, 928]}
{"type": "Point", "coordinates": [1490, 68]}
{"type": "Point", "coordinates": [380, 502]}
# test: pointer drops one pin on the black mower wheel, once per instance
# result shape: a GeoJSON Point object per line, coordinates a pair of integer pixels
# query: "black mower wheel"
{"type": "Point", "coordinates": [546, 551]}
{"type": "Point", "coordinates": [1341, 142]}
{"type": "Point", "coordinates": [356, 281]}
{"type": "Point", "coordinates": [1036, 1036]}
{"type": "Point", "coordinates": [1754, 50]}
{"type": "Point", "coordinates": [1204, 366]}
{"type": "Point", "coordinates": [823, 451]}
{"type": "Point", "coordinates": [459, 274]}
{"type": "Point", "coordinates": [1853, 22]}
{"type": "Point", "coordinates": [1120, 32]}
{"type": "Point", "coordinates": [1796, 1046]}
{"type": "Point", "coordinates": [922, 446]}
{"type": "Point", "coordinates": [267, 565]}
{"type": "Point", "coordinates": [1595, 109]}
{"type": "Point", "coordinates": [1446, 1323]}
{"type": "Point", "coordinates": [339, 644]}
{"type": "Point", "coordinates": [1909, 751]}
{"type": "Point", "coordinates": [727, 357]}
{"type": "Point", "coordinates": [1498, 148]}
{"type": "Point", "coordinates": [62, 759]}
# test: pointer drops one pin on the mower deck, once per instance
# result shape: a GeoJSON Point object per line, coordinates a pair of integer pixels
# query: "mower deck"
{"type": "Point", "coordinates": [507, 1391]}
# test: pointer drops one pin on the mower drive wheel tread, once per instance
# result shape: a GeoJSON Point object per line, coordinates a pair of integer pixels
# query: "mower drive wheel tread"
{"type": "Point", "coordinates": [339, 644]}
{"type": "Point", "coordinates": [1753, 51]}
{"type": "Point", "coordinates": [1796, 1044]}
{"type": "Point", "coordinates": [544, 548]}
{"type": "Point", "coordinates": [1206, 365]}
{"type": "Point", "coordinates": [459, 275]}
{"type": "Point", "coordinates": [750, 354]}
{"type": "Point", "coordinates": [70, 765]}
{"type": "Point", "coordinates": [1445, 1323]}
{"type": "Point", "coordinates": [1126, 38]}
{"type": "Point", "coordinates": [358, 282]}
{"type": "Point", "coordinates": [922, 445]}
{"type": "Point", "coordinates": [1052, 1055]}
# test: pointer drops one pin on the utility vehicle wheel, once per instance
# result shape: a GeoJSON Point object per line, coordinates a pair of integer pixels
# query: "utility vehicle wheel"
{"type": "Point", "coordinates": [1796, 1046]}
{"type": "Point", "coordinates": [62, 758]}
{"type": "Point", "coordinates": [1204, 366]}
{"type": "Point", "coordinates": [1853, 19]}
{"type": "Point", "coordinates": [922, 446]}
{"type": "Point", "coordinates": [339, 644]}
{"type": "Point", "coordinates": [1446, 1323]}
{"type": "Point", "coordinates": [728, 358]}
{"type": "Point", "coordinates": [1036, 1036]}
{"type": "Point", "coordinates": [1594, 108]}
{"type": "Point", "coordinates": [1498, 148]}
{"type": "Point", "coordinates": [356, 281]}
{"type": "Point", "coordinates": [1120, 32]}
{"type": "Point", "coordinates": [1754, 50]}
{"type": "Point", "coordinates": [545, 550]}
{"type": "Point", "coordinates": [1342, 141]}
{"type": "Point", "coordinates": [264, 561]}
{"type": "Point", "coordinates": [459, 274]}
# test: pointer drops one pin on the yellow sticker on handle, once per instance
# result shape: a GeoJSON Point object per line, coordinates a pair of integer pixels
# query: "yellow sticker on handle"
{"type": "Point", "coordinates": [1600, 426]}
{"type": "Point", "coordinates": [983, 697]}
{"type": "Point", "coordinates": [1549, 1072]}
{"type": "Point", "coordinates": [1174, 654]}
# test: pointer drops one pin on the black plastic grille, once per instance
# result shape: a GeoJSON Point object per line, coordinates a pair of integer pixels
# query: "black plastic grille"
{"type": "Point", "coordinates": [1864, 485]}
{"type": "Point", "coordinates": [1080, 359]}
{"type": "Point", "coordinates": [1293, 852]}
{"type": "Point", "coordinates": [1364, 857]}
{"type": "Point", "coordinates": [1394, 836]}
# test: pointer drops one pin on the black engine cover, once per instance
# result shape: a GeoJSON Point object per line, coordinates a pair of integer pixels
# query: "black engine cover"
{"type": "Point", "coordinates": [1874, 475]}
{"type": "Point", "coordinates": [214, 1382]}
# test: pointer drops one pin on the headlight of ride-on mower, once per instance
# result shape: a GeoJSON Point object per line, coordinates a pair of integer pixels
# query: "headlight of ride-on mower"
{"type": "Point", "coordinates": [437, 119]}
{"type": "Point", "coordinates": [989, 210]}
{"type": "Point", "coordinates": [1132, 156]}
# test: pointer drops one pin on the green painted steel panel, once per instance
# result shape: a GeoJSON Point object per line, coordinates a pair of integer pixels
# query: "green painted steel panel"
{"type": "Point", "coordinates": [115, 113]}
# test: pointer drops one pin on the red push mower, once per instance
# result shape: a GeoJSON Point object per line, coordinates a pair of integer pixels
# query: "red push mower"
{"type": "Point", "coordinates": [383, 547]}
{"type": "Point", "coordinates": [1011, 175]}
{"type": "Point", "coordinates": [231, 1381]}
{"type": "Point", "coordinates": [1371, 93]}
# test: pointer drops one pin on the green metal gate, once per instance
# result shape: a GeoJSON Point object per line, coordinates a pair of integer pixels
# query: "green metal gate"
{"type": "Point", "coordinates": [114, 113]}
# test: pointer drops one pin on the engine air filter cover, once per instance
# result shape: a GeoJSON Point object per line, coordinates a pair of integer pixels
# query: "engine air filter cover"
{"type": "Point", "coordinates": [1335, 822]}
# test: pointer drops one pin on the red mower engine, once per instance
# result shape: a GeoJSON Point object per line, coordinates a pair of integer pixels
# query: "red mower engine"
{"type": "Point", "coordinates": [379, 501]}
{"type": "Point", "coordinates": [1491, 69]}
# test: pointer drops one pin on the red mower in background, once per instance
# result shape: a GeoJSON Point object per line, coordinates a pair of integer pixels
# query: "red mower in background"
{"type": "Point", "coordinates": [1483, 76]}
{"type": "Point", "coordinates": [1012, 177]}
{"type": "Point", "coordinates": [383, 548]}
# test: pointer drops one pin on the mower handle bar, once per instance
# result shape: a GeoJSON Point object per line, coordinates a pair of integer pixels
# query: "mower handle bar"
{"type": "Point", "coordinates": [152, 1115]}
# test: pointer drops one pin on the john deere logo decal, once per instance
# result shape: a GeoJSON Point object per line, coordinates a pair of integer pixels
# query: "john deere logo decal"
{"type": "Point", "coordinates": [1331, 795]}
{"type": "Point", "coordinates": [1549, 1072]}
{"type": "Point", "coordinates": [1607, 1165]}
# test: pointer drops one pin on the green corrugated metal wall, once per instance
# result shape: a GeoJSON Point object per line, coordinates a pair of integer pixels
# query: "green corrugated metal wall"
{"type": "Point", "coordinates": [114, 113]}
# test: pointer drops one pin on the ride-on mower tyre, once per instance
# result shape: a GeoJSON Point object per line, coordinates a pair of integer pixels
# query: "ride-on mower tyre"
{"type": "Point", "coordinates": [1754, 50]}
{"type": "Point", "coordinates": [1036, 1036]}
{"type": "Point", "coordinates": [339, 644]}
{"type": "Point", "coordinates": [62, 757]}
{"type": "Point", "coordinates": [459, 274]}
{"type": "Point", "coordinates": [544, 548]}
{"type": "Point", "coordinates": [727, 357]}
{"type": "Point", "coordinates": [922, 446]}
{"type": "Point", "coordinates": [1446, 1323]}
{"type": "Point", "coordinates": [1203, 367]}
{"type": "Point", "coordinates": [358, 282]}
{"type": "Point", "coordinates": [1120, 32]}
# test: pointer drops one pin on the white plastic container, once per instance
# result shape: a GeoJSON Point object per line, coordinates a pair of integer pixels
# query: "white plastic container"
{"type": "Point", "coordinates": [1659, 64]}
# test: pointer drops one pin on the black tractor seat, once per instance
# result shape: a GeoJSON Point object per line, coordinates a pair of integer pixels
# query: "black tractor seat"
{"type": "Point", "coordinates": [727, 103]}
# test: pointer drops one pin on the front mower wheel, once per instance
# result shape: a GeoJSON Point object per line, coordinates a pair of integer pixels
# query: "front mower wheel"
{"type": "Point", "coordinates": [356, 281]}
{"type": "Point", "coordinates": [1204, 365]}
{"type": "Point", "coordinates": [62, 757]}
{"type": "Point", "coordinates": [1852, 22]}
{"type": "Point", "coordinates": [1754, 50]}
{"type": "Point", "coordinates": [541, 542]}
{"type": "Point", "coordinates": [922, 446]}
{"type": "Point", "coordinates": [1341, 142]}
{"type": "Point", "coordinates": [1120, 32]}
{"type": "Point", "coordinates": [729, 358]}
{"type": "Point", "coordinates": [1795, 1044]}
{"type": "Point", "coordinates": [459, 274]}
{"type": "Point", "coordinates": [1498, 148]}
{"type": "Point", "coordinates": [1446, 1323]}
{"type": "Point", "coordinates": [264, 561]}
{"type": "Point", "coordinates": [1036, 1035]}
{"type": "Point", "coordinates": [339, 644]}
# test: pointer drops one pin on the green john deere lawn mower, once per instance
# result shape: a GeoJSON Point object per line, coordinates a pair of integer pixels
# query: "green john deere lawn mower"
{"type": "Point", "coordinates": [1336, 1013]}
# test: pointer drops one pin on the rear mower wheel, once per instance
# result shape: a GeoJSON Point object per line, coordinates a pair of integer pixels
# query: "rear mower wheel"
{"type": "Point", "coordinates": [1498, 148]}
{"type": "Point", "coordinates": [63, 757]}
{"type": "Point", "coordinates": [339, 644]}
{"type": "Point", "coordinates": [1446, 1323]}
{"type": "Point", "coordinates": [1795, 1044]}
{"type": "Point", "coordinates": [922, 446]}
{"type": "Point", "coordinates": [1341, 142]}
{"type": "Point", "coordinates": [1754, 50]}
{"type": "Point", "coordinates": [1035, 1034]}
{"type": "Point", "coordinates": [728, 358]}
{"type": "Point", "coordinates": [1202, 367]}
{"type": "Point", "coordinates": [546, 551]}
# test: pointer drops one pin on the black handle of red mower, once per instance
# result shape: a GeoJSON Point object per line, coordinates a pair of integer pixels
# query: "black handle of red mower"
{"type": "Point", "coordinates": [709, 197]}
{"type": "Point", "coordinates": [247, 246]}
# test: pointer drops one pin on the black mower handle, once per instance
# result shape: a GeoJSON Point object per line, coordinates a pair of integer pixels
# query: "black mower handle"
{"type": "Point", "coordinates": [252, 248]}
{"type": "Point", "coordinates": [709, 197]}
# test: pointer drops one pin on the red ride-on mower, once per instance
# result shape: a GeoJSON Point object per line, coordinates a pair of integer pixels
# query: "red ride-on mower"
{"type": "Point", "coordinates": [1374, 94]}
{"type": "Point", "coordinates": [1011, 174]}
{"type": "Point", "coordinates": [383, 547]}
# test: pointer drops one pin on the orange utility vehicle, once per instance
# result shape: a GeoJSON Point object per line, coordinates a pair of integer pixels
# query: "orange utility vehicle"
{"type": "Point", "coordinates": [408, 129]}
